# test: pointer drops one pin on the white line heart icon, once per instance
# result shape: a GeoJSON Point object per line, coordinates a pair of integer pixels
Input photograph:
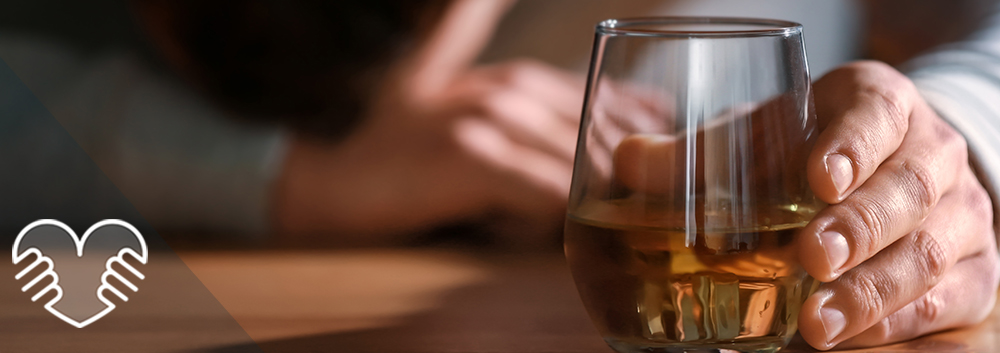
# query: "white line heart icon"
{"type": "Point", "coordinates": [79, 298]}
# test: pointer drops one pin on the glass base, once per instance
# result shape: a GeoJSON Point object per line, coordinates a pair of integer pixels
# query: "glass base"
{"type": "Point", "coordinates": [749, 345]}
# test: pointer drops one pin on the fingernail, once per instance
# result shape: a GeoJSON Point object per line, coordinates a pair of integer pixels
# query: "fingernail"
{"type": "Point", "coordinates": [837, 251]}
{"type": "Point", "coordinates": [840, 171]}
{"type": "Point", "coordinates": [833, 322]}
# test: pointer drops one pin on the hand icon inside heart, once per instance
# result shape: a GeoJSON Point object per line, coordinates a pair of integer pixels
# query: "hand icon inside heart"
{"type": "Point", "coordinates": [79, 267]}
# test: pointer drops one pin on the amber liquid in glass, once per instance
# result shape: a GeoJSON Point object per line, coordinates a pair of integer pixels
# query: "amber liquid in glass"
{"type": "Point", "coordinates": [663, 289]}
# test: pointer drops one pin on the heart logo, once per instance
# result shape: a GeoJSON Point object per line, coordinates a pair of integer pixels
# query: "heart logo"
{"type": "Point", "coordinates": [79, 281]}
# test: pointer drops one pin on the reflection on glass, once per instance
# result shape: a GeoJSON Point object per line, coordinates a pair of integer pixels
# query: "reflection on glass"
{"type": "Point", "coordinates": [689, 186]}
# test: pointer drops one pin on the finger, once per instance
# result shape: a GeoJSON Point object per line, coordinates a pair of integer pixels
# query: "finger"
{"type": "Point", "coordinates": [864, 113]}
{"type": "Point", "coordinates": [616, 109]}
{"type": "Point", "coordinates": [525, 183]}
{"type": "Point", "coordinates": [34, 263]}
{"type": "Point", "coordinates": [632, 108]}
{"type": "Point", "coordinates": [656, 163]}
{"type": "Point", "coordinates": [559, 89]}
{"type": "Point", "coordinates": [453, 45]}
{"type": "Point", "coordinates": [120, 276]}
{"type": "Point", "coordinates": [613, 120]}
{"type": "Point", "coordinates": [964, 297]}
{"type": "Point", "coordinates": [542, 180]}
{"type": "Point", "coordinates": [899, 274]}
{"type": "Point", "coordinates": [127, 273]}
{"type": "Point", "coordinates": [890, 204]}
{"type": "Point", "coordinates": [649, 163]}
{"type": "Point", "coordinates": [526, 120]}
{"type": "Point", "coordinates": [40, 282]}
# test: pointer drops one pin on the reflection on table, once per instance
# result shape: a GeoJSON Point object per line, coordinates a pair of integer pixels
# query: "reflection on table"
{"type": "Point", "coordinates": [433, 300]}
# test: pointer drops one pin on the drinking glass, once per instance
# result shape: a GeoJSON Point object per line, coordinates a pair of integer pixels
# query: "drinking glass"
{"type": "Point", "coordinates": [689, 184]}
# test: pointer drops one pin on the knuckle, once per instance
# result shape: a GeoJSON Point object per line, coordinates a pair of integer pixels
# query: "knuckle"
{"type": "Point", "coordinates": [934, 259]}
{"type": "Point", "coordinates": [496, 102]}
{"type": "Point", "coordinates": [990, 278]}
{"type": "Point", "coordinates": [871, 296]}
{"type": "Point", "coordinates": [465, 138]}
{"type": "Point", "coordinates": [862, 70]}
{"type": "Point", "coordinates": [993, 275]}
{"type": "Point", "coordinates": [886, 91]}
{"type": "Point", "coordinates": [891, 109]}
{"type": "Point", "coordinates": [883, 74]}
{"type": "Point", "coordinates": [886, 328]}
{"type": "Point", "coordinates": [519, 71]}
{"type": "Point", "coordinates": [870, 65]}
{"type": "Point", "coordinates": [981, 204]}
{"type": "Point", "coordinates": [987, 308]}
{"type": "Point", "coordinates": [955, 145]}
{"type": "Point", "coordinates": [922, 189]}
{"type": "Point", "coordinates": [528, 64]}
{"type": "Point", "coordinates": [928, 309]}
{"type": "Point", "coordinates": [870, 228]}
{"type": "Point", "coordinates": [865, 148]}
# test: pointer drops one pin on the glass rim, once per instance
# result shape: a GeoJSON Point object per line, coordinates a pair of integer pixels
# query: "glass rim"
{"type": "Point", "coordinates": [634, 27]}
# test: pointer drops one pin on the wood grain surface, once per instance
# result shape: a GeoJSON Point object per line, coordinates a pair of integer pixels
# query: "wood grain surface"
{"type": "Point", "coordinates": [432, 300]}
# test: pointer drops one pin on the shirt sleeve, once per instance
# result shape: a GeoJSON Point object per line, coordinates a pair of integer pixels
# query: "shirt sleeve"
{"type": "Point", "coordinates": [961, 81]}
{"type": "Point", "coordinates": [179, 159]}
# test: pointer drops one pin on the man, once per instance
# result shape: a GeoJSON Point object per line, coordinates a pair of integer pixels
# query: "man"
{"type": "Point", "coordinates": [907, 246]}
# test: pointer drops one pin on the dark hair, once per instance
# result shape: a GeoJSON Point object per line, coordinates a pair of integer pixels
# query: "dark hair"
{"type": "Point", "coordinates": [313, 65]}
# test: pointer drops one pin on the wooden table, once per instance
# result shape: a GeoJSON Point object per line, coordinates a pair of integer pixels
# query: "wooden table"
{"type": "Point", "coordinates": [433, 300]}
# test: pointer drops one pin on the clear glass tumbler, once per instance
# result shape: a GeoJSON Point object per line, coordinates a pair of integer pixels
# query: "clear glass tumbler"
{"type": "Point", "coordinates": [689, 185]}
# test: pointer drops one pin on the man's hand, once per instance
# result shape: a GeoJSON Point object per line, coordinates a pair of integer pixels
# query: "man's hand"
{"type": "Point", "coordinates": [907, 244]}
{"type": "Point", "coordinates": [445, 141]}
